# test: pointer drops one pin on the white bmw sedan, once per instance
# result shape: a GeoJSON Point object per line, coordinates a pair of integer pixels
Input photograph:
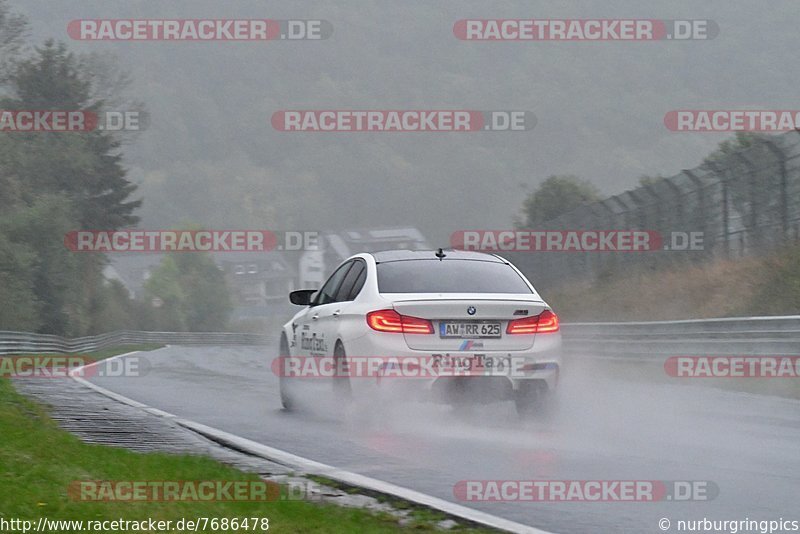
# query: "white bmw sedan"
{"type": "Point", "coordinates": [463, 326]}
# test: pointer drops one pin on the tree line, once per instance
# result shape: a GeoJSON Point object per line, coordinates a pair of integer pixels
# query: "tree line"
{"type": "Point", "coordinates": [52, 183]}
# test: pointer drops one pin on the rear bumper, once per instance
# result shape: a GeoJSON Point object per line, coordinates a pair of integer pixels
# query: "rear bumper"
{"type": "Point", "coordinates": [540, 362]}
{"type": "Point", "coordinates": [495, 386]}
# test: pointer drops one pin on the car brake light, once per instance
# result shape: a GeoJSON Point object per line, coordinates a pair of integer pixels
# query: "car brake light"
{"type": "Point", "coordinates": [391, 321]}
{"type": "Point", "coordinates": [544, 323]}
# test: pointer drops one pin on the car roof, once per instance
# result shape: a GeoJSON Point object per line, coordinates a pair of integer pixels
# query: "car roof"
{"type": "Point", "coordinates": [403, 255]}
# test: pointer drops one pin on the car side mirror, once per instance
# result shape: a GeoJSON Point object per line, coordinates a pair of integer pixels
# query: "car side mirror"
{"type": "Point", "coordinates": [301, 297]}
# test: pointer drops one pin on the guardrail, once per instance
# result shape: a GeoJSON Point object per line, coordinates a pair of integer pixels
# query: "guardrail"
{"type": "Point", "coordinates": [657, 339]}
{"type": "Point", "coordinates": [632, 340]}
{"type": "Point", "coordinates": [25, 342]}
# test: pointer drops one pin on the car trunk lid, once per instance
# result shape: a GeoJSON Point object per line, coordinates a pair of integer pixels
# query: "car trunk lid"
{"type": "Point", "coordinates": [468, 322]}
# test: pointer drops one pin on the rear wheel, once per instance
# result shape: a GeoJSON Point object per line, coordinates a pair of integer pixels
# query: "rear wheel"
{"type": "Point", "coordinates": [341, 381]}
{"type": "Point", "coordinates": [287, 399]}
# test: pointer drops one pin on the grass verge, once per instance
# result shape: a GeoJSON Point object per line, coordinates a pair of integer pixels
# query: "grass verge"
{"type": "Point", "coordinates": [767, 284]}
{"type": "Point", "coordinates": [38, 461]}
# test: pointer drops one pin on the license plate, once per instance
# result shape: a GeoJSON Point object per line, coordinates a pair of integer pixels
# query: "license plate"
{"type": "Point", "coordinates": [469, 330]}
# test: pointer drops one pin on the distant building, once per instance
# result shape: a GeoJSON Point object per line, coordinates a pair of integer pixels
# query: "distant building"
{"type": "Point", "coordinates": [260, 282]}
{"type": "Point", "coordinates": [253, 278]}
{"type": "Point", "coordinates": [257, 278]}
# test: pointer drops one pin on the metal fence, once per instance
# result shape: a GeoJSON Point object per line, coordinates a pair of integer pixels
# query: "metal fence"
{"type": "Point", "coordinates": [741, 336]}
{"type": "Point", "coordinates": [28, 343]}
{"type": "Point", "coordinates": [637, 340]}
{"type": "Point", "coordinates": [744, 203]}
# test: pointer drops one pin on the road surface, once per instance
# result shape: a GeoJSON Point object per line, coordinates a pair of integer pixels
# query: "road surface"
{"type": "Point", "coordinates": [603, 428]}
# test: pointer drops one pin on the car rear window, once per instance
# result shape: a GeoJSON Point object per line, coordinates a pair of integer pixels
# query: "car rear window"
{"type": "Point", "coordinates": [449, 276]}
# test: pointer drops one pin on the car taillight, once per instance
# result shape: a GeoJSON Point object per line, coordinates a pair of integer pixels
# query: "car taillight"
{"type": "Point", "coordinates": [391, 321]}
{"type": "Point", "coordinates": [543, 323]}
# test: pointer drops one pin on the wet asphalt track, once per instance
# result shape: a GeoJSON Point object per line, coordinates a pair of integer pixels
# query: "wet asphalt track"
{"type": "Point", "coordinates": [602, 429]}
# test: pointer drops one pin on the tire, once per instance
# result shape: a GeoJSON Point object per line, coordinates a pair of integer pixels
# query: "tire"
{"type": "Point", "coordinates": [531, 397]}
{"type": "Point", "coordinates": [342, 389]}
{"type": "Point", "coordinates": [288, 401]}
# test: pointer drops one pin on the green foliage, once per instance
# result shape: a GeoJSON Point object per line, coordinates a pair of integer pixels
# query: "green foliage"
{"type": "Point", "coordinates": [19, 304]}
{"type": "Point", "coordinates": [208, 302]}
{"type": "Point", "coordinates": [740, 141]}
{"type": "Point", "coordinates": [12, 32]}
{"type": "Point", "coordinates": [39, 461]}
{"type": "Point", "coordinates": [778, 289]}
{"type": "Point", "coordinates": [645, 179]}
{"type": "Point", "coordinates": [53, 269]}
{"type": "Point", "coordinates": [50, 184]}
{"type": "Point", "coordinates": [86, 166]}
{"type": "Point", "coordinates": [556, 196]}
{"type": "Point", "coordinates": [191, 291]}
{"type": "Point", "coordinates": [114, 309]}
{"type": "Point", "coordinates": [47, 288]}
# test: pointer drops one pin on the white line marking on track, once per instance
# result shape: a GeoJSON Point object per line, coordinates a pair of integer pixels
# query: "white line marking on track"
{"type": "Point", "coordinates": [310, 466]}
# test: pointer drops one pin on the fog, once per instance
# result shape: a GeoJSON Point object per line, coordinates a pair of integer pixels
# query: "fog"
{"type": "Point", "coordinates": [604, 426]}
{"type": "Point", "coordinates": [210, 156]}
